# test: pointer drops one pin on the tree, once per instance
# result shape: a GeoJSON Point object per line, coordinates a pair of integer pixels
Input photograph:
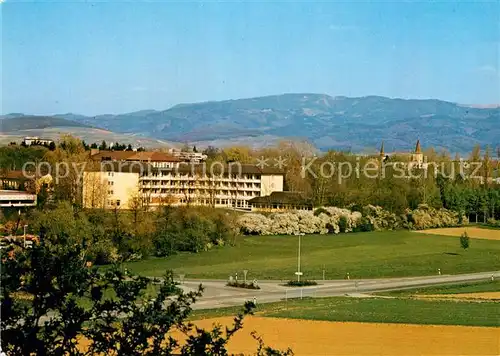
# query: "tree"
{"type": "Point", "coordinates": [464, 240]}
{"type": "Point", "coordinates": [211, 152]}
{"type": "Point", "coordinates": [65, 300]}
{"type": "Point", "coordinates": [67, 161]}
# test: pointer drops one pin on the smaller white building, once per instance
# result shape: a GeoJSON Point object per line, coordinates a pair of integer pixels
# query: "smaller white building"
{"type": "Point", "coordinates": [16, 198]}
{"type": "Point", "coordinates": [35, 140]}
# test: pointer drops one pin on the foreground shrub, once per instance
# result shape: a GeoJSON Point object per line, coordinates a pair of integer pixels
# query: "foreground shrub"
{"type": "Point", "coordinates": [50, 320]}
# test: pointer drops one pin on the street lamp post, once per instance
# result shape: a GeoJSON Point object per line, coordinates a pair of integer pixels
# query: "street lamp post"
{"type": "Point", "coordinates": [299, 273]}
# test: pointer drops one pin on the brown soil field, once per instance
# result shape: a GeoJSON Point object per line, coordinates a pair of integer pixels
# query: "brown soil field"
{"type": "Point", "coordinates": [473, 232]}
{"type": "Point", "coordinates": [479, 295]}
{"type": "Point", "coordinates": [307, 337]}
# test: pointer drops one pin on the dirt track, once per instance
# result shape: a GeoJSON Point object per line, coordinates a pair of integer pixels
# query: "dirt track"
{"type": "Point", "coordinates": [335, 338]}
{"type": "Point", "coordinates": [473, 232]}
{"type": "Point", "coordinates": [479, 295]}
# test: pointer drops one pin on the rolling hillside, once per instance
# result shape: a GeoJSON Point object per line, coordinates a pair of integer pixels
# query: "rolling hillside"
{"type": "Point", "coordinates": [357, 124]}
{"type": "Point", "coordinates": [14, 127]}
{"type": "Point", "coordinates": [18, 123]}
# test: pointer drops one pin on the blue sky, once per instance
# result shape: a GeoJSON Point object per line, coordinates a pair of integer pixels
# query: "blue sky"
{"type": "Point", "coordinates": [113, 57]}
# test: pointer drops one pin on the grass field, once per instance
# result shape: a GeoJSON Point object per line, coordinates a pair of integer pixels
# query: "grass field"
{"type": "Point", "coordinates": [478, 287]}
{"type": "Point", "coordinates": [363, 255]}
{"type": "Point", "coordinates": [375, 310]}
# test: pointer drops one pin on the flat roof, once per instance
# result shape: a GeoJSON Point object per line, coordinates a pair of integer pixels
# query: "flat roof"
{"type": "Point", "coordinates": [145, 167]}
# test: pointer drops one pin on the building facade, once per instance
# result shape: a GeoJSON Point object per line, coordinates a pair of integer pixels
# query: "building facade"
{"type": "Point", "coordinates": [16, 199]}
{"type": "Point", "coordinates": [35, 140]}
{"type": "Point", "coordinates": [125, 184]}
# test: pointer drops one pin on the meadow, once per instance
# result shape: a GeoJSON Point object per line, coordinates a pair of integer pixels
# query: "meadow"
{"type": "Point", "coordinates": [375, 310]}
{"type": "Point", "coordinates": [476, 287]}
{"type": "Point", "coordinates": [362, 255]}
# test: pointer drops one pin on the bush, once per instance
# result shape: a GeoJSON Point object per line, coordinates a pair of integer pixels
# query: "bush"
{"type": "Point", "coordinates": [343, 224]}
{"type": "Point", "coordinates": [192, 230]}
{"type": "Point", "coordinates": [335, 220]}
{"type": "Point", "coordinates": [492, 222]}
{"type": "Point", "coordinates": [236, 284]}
{"type": "Point", "coordinates": [425, 217]}
{"type": "Point", "coordinates": [303, 283]}
{"type": "Point", "coordinates": [464, 240]}
{"type": "Point", "coordinates": [320, 211]}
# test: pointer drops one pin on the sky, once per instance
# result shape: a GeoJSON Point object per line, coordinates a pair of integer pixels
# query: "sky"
{"type": "Point", "coordinates": [116, 57]}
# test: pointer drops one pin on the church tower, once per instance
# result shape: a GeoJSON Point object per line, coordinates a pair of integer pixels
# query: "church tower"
{"type": "Point", "coordinates": [417, 157]}
{"type": "Point", "coordinates": [383, 157]}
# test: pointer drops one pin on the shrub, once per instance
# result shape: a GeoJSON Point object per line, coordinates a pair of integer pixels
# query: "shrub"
{"type": "Point", "coordinates": [464, 240]}
{"type": "Point", "coordinates": [236, 284]}
{"type": "Point", "coordinates": [321, 211]}
{"type": "Point", "coordinates": [427, 218]}
{"type": "Point", "coordinates": [192, 230]}
{"type": "Point", "coordinates": [303, 283]}
{"type": "Point", "coordinates": [492, 222]}
{"type": "Point", "coordinates": [343, 224]}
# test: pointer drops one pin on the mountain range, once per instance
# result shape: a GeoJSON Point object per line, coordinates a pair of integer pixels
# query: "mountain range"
{"type": "Point", "coordinates": [345, 123]}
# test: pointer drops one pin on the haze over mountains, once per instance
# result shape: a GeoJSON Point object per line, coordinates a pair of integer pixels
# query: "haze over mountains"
{"type": "Point", "coordinates": [357, 124]}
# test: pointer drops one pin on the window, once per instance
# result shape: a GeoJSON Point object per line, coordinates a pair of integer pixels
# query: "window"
{"type": "Point", "coordinates": [118, 202]}
{"type": "Point", "coordinates": [110, 192]}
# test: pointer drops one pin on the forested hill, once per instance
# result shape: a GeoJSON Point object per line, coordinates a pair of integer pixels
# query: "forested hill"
{"type": "Point", "coordinates": [356, 124]}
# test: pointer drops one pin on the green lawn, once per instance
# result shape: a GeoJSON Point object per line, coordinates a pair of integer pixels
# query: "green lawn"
{"type": "Point", "coordinates": [363, 255]}
{"type": "Point", "coordinates": [375, 310]}
{"type": "Point", "coordinates": [485, 286]}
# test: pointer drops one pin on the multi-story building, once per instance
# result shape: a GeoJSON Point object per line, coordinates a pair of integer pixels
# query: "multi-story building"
{"type": "Point", "coordinates": [16, 199]}
{"type": "Point", "coordinates": [124, 184]}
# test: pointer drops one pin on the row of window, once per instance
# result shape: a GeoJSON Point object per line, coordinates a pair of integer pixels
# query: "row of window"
{"type": "Point", "coordinates": [201, 184]}
{"type": "Point", "coordinates": [215, 176]}
{"type": "Point", "coordinates": [225, 202]}
{"type": "Point", "coordinates": [199, 191]}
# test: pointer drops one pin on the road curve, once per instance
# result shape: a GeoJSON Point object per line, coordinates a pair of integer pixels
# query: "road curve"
{"type": "Point", "coordinates": [218, 295]}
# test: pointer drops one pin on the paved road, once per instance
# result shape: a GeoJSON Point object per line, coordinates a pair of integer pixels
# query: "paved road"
{"type": "Point", "coordinates": [217, 294]}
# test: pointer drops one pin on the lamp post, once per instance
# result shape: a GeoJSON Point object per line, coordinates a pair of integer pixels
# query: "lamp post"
{"type": "Point", "coordinates": [299, 273]}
